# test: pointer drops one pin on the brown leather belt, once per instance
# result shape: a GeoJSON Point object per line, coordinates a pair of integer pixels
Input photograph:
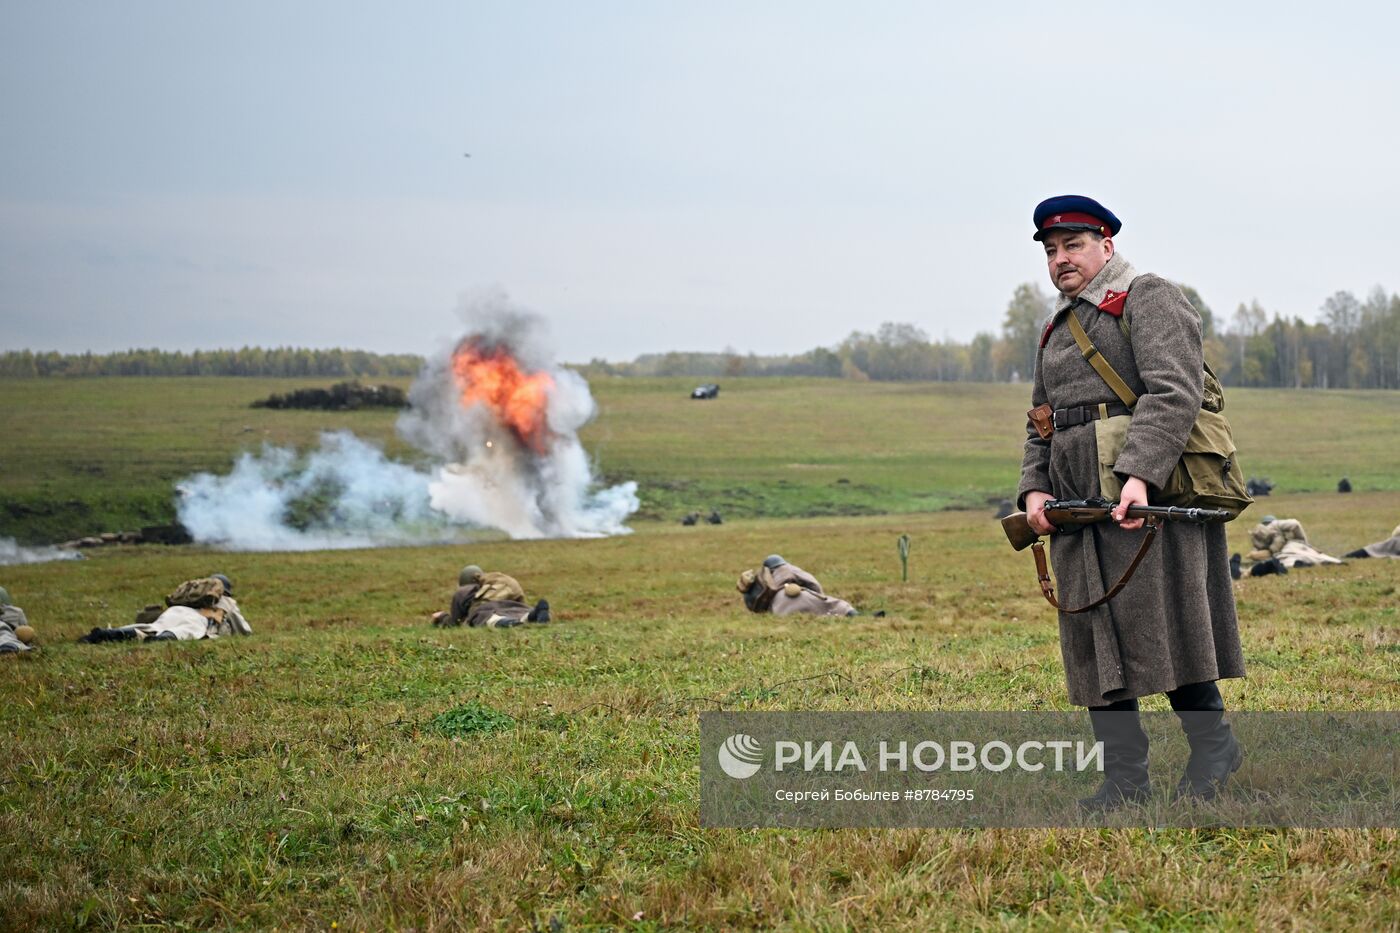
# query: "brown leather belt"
{"type": "Point", "coordinates": [1063, 418]}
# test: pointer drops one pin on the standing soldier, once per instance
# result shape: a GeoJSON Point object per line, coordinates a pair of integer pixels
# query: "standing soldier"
{"type": "Point", "coordinates": [1173, 629]}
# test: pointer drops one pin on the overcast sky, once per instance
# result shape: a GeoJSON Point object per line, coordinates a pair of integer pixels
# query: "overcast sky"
{"type": "Point", "coordinates": [656, 176]}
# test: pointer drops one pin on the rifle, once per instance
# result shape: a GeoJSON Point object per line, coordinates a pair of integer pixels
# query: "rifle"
{"type": "Point", "coordinates": [1071, 515]}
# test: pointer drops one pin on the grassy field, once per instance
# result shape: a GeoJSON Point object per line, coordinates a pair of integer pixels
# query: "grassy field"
{"type": "Point", "coordinates": [305, 777]}
{"type": "Point", "coordinates": [83, 456]}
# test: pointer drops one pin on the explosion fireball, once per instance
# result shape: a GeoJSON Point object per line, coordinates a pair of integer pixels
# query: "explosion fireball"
{"type": "Point", "coordinates": [491, 376]}
{"type": "Point", "coordinates": [496, 419]}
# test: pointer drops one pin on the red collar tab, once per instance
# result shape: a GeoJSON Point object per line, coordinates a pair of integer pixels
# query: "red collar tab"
{"type": "Point", "coordinates": [1113, 302]}
{"type": "Point", "coordinates": [1073, 217]}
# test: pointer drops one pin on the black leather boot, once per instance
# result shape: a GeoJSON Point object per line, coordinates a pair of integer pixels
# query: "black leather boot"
{"type": "Point", "coordinates": [1215, 752]}
{"type": "Point", "coordinates": [1125, 779]}
{"type": "Point", "coordinates": [99, 635]}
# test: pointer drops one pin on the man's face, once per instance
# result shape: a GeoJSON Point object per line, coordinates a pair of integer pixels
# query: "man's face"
{"type": "Point", "coordinates": [1074, 257]}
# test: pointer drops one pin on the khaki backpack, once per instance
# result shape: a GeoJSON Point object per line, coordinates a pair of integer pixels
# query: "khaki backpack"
{"type": "Point", "coordinates": [1207, 476]}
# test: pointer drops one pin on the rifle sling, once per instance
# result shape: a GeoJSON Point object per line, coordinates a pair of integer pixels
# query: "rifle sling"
{"type": "Point", "coordinates": [1096, 360]}
{"type": "Point", "coordinates": [1047, 586]}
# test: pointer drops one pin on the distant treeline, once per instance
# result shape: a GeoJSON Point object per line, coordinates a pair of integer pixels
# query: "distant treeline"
{"type": "Point", "coordinates": [1354, 344]}
{"type": "Point", "coordinates": [249, 361]}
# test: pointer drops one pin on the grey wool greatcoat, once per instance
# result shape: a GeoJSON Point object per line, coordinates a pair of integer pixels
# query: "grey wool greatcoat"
{"type": "Point", "coordinates": [1174, 623]}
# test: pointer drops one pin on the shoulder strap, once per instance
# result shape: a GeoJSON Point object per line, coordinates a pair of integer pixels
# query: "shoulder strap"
{"type": "Point", "coordinates": [1096, 360]}
{"type": "Point", "coordinates": [1047, 586]}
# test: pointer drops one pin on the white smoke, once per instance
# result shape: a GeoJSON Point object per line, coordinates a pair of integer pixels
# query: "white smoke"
{"type": "Point", "coordinates": [11, 552]}
{"type": "Point", "coordinates": [348, 494]}
{"type": "Point", "coordinates": [344, 494]}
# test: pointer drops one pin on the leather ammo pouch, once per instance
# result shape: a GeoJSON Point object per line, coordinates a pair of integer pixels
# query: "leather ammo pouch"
{"type": "Point", "coordinates": [1043, 418]}
{"type": "Point", "coordinates": [1208, 475]}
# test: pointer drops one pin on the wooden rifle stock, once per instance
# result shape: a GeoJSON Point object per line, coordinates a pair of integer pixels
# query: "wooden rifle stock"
{"type": "Point", "coordinates": [1019, 531]}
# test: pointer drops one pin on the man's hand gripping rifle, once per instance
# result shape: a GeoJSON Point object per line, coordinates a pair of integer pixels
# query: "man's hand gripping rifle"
{"type": "Point", "coordinates": [1071, 515]}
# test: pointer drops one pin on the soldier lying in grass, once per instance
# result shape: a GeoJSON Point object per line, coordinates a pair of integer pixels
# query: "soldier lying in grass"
{"type": "Point", "coordinates": [202, 608]}
{"type": "Point", "coordinates": [786, 589]}
{"type": "Point", "coordinates": [492, 600]}
{"type": "Point", "coordinates": [16, 634]}
{"type": "Point", "coordinates": [1285, 540]}
{"type": "Point", "coordinates": [1390, 547]}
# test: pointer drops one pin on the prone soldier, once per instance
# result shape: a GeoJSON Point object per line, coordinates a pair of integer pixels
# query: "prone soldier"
{"type": "Point", "coordinates": [490, 600]}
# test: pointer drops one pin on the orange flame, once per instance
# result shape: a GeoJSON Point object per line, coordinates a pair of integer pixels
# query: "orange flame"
{"type": "Point", "coordinates": [490, 376]}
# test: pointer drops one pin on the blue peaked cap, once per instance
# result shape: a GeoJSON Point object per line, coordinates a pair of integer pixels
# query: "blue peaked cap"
{"type": "Point", "coordinates": [1074, 212]}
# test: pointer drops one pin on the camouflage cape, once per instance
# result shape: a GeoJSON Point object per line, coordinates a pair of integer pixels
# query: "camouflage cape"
{"type": "Point", "coordinates": [1285, 539]}
{"type": "Point", "coordinates": [189, 624]}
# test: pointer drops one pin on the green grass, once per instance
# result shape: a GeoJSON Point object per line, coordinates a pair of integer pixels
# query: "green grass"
{"type": "Point", "coordinates": [83, 456]}
{"type": "Point", "coordinates": [351, 764]}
